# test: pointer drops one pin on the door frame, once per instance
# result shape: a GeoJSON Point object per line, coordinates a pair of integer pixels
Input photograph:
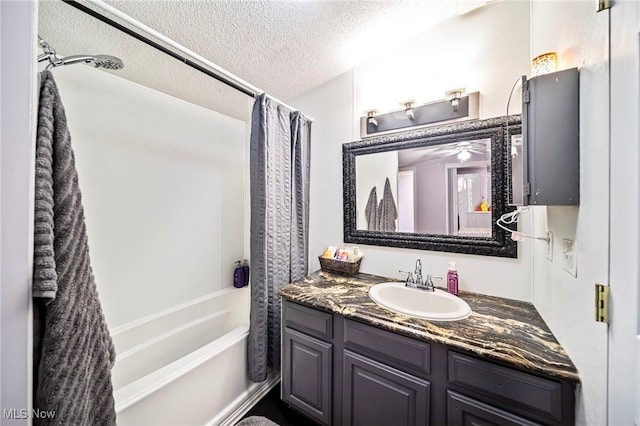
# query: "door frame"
{"type": "Point", "coordinates": [17, 143]}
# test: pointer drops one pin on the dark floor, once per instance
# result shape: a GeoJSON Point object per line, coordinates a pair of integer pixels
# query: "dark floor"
{"type": "Point", "coordinates": [273, 408]}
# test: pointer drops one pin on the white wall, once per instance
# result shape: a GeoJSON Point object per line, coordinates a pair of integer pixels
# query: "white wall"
{"type": "Point", "coordinates": [331, 107]}
{"type": "Point", "coordinates": [580, 37]}
{"type": "Point", "coordinates": [17, 141]}
{"type": "Point", "coordinates": [486, 50]}
{"type": "Point", "coordinates": [163, 192]}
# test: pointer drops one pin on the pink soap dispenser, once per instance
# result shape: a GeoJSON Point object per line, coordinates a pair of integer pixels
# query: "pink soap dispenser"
{"type": "Point", "coordinates": [452, 279]}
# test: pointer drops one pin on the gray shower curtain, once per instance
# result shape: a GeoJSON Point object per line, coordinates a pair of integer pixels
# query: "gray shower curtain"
{"type": "Point", "coordinates": [280, 147]}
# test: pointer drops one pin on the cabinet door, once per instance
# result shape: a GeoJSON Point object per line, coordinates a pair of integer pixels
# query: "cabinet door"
{"type": "Point", "coordinates": [376, 394]}
{"type": "Point", "coordinates": [306, 374]}
{"type": "Point", "coordinates": [462, 410]}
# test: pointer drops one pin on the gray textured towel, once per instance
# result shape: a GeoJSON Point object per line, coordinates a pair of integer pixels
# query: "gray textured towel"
{"type": "Point", "coordinates": [73, 351]}
{"type": "Point", "coordinates": [371, 210]}
{"type": "Point", "coordinates": [387, 211]}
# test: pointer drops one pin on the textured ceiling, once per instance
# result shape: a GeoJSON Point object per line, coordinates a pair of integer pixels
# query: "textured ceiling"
{"type": "Point", "coordinates": [285, 48]}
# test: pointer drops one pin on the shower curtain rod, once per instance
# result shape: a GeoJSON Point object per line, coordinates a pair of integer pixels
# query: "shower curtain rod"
{"type": "Point", "coordinates": [220, 74]}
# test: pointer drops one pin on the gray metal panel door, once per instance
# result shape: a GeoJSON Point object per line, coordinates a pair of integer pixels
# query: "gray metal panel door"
{"type": "Point", "coordinates": [552, 138]}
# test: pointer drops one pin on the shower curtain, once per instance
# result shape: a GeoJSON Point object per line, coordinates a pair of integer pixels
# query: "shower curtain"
{"type": "Point", "coordinates": [280, 146]}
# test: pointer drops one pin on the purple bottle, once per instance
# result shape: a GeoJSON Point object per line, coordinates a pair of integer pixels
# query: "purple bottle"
{"type": "Point", "coordinates": [245, 269]}
{"type": "Point", "coordinates": [452, 279]}
{"type": "Point", "coordinates": [238, 275]}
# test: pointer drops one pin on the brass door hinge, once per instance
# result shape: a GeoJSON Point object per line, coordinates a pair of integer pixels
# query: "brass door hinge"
{"type": "Point", "coordinates": [602, 303]}
{"type": "Point", "coordinates": [603, 5]}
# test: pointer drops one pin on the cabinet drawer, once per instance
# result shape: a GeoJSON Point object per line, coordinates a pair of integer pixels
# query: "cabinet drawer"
{"type": "Point", "coordinates": [392, 348]}
{"type": "Point", "coordinates": [462, 410]}
{"type": "Point", "coordinates": [311, 321]}
{"type": "Point", "coordinates": [509, 386]}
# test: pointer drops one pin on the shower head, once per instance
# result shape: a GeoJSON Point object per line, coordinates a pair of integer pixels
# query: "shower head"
{"type": "Point", "coordinates": [99, 61]}
{"type": "Point", "coordinates": [108, 62]}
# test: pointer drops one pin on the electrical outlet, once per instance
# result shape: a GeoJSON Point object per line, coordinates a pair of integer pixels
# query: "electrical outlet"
{"type": "Point", "coordinates": [550, 246]}
{"type": "Point", "coordinates": [570, 256]}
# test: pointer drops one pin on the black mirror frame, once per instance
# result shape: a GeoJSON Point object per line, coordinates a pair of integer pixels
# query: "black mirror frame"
{"type": "Point", "coordinates": [499, 130]}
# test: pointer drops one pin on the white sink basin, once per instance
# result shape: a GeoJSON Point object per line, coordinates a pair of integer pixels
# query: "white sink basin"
{"type": "Point", "coordinates": [435, 305]}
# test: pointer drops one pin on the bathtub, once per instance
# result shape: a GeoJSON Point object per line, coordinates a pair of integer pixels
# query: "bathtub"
{"type": "Point", "coordinates": [187, 365]}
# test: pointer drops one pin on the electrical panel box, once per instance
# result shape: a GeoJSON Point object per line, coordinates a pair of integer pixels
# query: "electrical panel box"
{"type": "Point", "coordinates": [545, 161]}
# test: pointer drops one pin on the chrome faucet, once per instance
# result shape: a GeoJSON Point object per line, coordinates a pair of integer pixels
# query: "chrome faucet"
{"type": "Point", "coordinates": [418, 273]}
{"type": "Point", "coordinates": [417, 282]}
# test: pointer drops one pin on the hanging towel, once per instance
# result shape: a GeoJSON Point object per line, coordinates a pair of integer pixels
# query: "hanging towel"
{"type": "Point", "coordinates": [387, 211]}
{"type": "Point", "coordinates": [371, 210]}
{"type": "Point", "coordinates": [73, 351]}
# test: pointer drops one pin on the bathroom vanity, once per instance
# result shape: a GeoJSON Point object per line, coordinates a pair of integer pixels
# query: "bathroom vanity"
{"type": "Point", "coordinates": [346, 360]}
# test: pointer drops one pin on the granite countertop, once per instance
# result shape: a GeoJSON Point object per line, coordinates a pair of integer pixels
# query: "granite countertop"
{"type": "Point", "coordinates": [499, 329]}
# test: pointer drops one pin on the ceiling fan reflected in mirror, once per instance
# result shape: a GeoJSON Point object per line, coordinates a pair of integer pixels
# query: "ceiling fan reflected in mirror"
{"type": "Point", "coordinates": [463, 150]}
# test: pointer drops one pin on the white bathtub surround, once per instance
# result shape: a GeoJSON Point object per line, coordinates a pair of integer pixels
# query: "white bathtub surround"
{"type": "Point", "coordinates": [164, 194]}
{"type": "Point", "coordinates": [186, 365]}
{"type": "Point", "coordinates": [153, 342]}
{"type": "Point", "coordinates": [162, 182]}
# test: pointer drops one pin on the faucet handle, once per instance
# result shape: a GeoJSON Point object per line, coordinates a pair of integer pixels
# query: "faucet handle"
{"type": "Point", "coordinates": [429, 280]}
{"type": "Point", "coordinates": [409, 276]}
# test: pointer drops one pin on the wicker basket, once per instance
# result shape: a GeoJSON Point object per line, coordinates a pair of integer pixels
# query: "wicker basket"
{"type": "Point", "coordinates": [340, 267]}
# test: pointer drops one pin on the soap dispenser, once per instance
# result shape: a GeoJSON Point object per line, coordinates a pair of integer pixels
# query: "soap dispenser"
{"type": "Point", "coordinates": [238, 275]}
{"type": "Point", "coordinates": [452, 279]}
{"type": "Point", "coordinates": [245, 270]}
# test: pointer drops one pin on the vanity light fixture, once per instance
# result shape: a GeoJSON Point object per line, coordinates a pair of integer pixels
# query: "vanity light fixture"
{"type": "Point", "coordinates": [457, 106]}
{"type": "Point", "coordinates": [454, 97]}
{"type": "Point", "coordinates": [371, 116]}
{"type": "Point", "coordinates": [409, 107]}
{"type": "Point", "coordinates": [544, 64]}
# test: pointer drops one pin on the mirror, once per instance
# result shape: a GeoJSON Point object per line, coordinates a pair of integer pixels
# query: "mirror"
{"type": "Point", "coordinates": [440, 188]}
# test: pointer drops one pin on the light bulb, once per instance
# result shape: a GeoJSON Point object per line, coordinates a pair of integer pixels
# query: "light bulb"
{"type": "Point", "coordinates": [464, 155]}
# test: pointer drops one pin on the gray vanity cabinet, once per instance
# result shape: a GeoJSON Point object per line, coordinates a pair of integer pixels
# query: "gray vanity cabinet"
{"type": "Point", "coordinates": [462, 410]}
{"type": "Point", "coordinates": [376, 394]}
{"type": "Point", "coordinates": [307, 361]}
{"type": "Point", "coordinates": [385, 377]}
{"type": "Point", "coordinates": [306, 378]}
{"type": "Point", "coordinates": [512, 394]}
{"type": "Point", "coordinates": [342, 372]}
